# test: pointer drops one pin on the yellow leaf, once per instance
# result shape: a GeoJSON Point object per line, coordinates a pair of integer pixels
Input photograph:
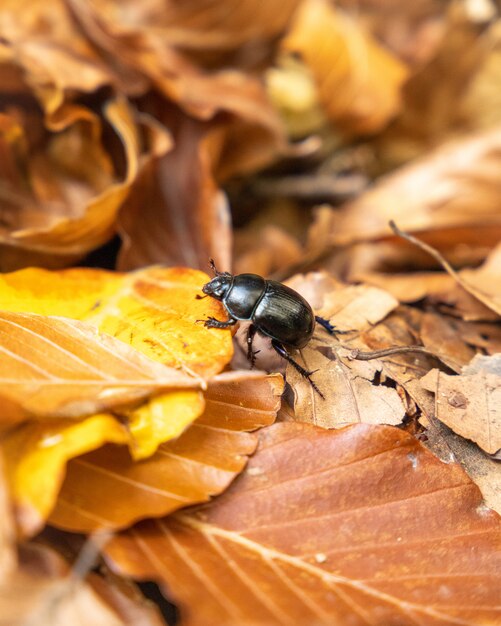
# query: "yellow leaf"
{"type": "Point", "coordinates": [154, 310]}
{"type": "Point", "coordinates": [162, 418]}
{"type": "Point", "coordinates": [36, 454]}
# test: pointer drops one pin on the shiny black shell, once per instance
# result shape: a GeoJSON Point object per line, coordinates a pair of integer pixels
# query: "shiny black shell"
{"type": "Point", "coordinates": [275, 309]}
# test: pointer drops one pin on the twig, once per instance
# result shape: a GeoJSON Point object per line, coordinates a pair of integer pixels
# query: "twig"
{"type": "Point", "coordinates": [358, 355]}
{"type": "Point", "coordinates": [476, 293]}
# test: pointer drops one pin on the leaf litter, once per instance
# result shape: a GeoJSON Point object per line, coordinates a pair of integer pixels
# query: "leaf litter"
{"type": "Point", "coordinates": [175, 133]}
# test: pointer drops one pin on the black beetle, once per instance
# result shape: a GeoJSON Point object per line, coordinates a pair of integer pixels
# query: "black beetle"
{"type": "Point", "coordinates": [274, 309]}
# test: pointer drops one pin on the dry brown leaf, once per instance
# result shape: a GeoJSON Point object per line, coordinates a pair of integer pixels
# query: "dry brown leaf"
{"type": "Point", "coordinates": [68, 200]}
{"type": "Point", "coordinates": [412, 30]}
{"type": "Point", "coordinates": [350, 395]}
{"type": "Point", "coordinates": [371, 528]}
{"type": "Point", "coordinates": [191, 469]}
{"type": "Point", "coordinates": [176, 215]}
{"type": "Point", "coordinates": [455, 91]}
{"type": "Point", "coordinates": [358, 80]}
{"type": "Point", "coordinates": [41, 40]}
{"type": "Point", "coordinates": [484, 471]}
{"type": "Point", "coordinates": [470, 403]}
{"type": "Point", "coordinates": [449, 197]}
{"type": "Point", "coordinates": [443, 335]}
{"type": "Point", "coordinates": [371, 313]}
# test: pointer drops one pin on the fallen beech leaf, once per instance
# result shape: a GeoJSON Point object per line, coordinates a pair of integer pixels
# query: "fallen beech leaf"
{"type": "Point", "coordinates": [154, 310]}
{"type": "Point", "coordinates": [58, 367]}
{"type": "Point", "coordinates": [470, 403]}
{"type": "Point", "coordinates": [200, 464]}
{"type": "Point", "coordinates": [484, 471]}
{"type": "Point", "coordinates": [443, 335]}
{"type": "Point", "coordinates": [449, 197]}
{"type": "Point", "coordinates": [157, 41]}
{"type": "Point", "coordinates": [492, 301]}
{"type": "Point", "coordinates": [176, 214]}
{"type": "Point", "coordinates": [69, 207]}
{"type": "Point", "coordinates": [160, 419]}
{"type": "Point", "coordinates": [371, 528]}
{"type": "Point", "coordinates": [350, 397]}
{"type": "Point", "coordinates": [411, 30]}
{"type": "Point", "coordinates": [370, 313]}
{"type": "Point", "coordinates": [347, 307]}
{"type": "Point", "coordinates": [55, 59]}
{"type": "Point", "coordinates": [36, 454]}
{"type": "Point", "coordinates": [358, 80]}
{"type": "Point", "coordinates": [459, 82]}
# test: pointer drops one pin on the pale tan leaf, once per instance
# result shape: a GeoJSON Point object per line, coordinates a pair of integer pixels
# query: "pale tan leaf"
{"type": "Point", "coordinates": [449, 196]}
{"type": "Point", "coordinates": [357, 526]}
{"type": "Point", "coordinates": [470, 404]}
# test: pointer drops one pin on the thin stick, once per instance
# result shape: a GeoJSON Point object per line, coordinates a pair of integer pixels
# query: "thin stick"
{"type": "Point", "coordinates": [358, 355]}
{"type": "Point", "coordinates": [476, 293]}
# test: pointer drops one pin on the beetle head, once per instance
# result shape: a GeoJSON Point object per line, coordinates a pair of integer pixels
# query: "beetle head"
{"type": "Point", "coordinates": [219, 286]}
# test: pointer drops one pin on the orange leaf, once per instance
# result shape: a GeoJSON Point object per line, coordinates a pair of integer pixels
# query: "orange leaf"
{"type": "Point", "coordinates": [201, 463]}
{"type": "Point", "coordinates": [356, 526]}
{"type": "Point", "coordinates": [358, 80]}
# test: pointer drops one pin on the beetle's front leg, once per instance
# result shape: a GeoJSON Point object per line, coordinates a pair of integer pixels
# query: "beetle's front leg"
{"type": "Point", "coordinates": [212, 322]}
{"type": "Point", "coordinates": [251, 355]}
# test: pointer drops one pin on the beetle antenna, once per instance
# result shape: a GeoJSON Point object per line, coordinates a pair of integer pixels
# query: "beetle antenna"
{"type": "Point", "coordinates": [213, 267]}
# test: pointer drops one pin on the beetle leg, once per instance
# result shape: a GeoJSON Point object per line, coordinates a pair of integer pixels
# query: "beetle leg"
{"type": "Point", "coordinates": [212, 322]}
{"type": "Point", "coordinates": [251, 355]}
{"type": "Point", "coordinates": [330, 328]}
{"type": "Point", "coordinates": [279, 349]}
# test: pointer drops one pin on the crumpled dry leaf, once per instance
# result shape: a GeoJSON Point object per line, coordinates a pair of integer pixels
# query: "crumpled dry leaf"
{"type": "Point", "coordinates": [176, 214]}
{"type": "Point", "coordinates": [67, 202]}
{"type": "Point", "coordinates": [377, 325]}
{"type": "Point", "coordinates": [401, 552]}
{"type": "Point", "coordinates": [156, 40]}
{"type": "Point", "coordinates": [41, 40]}
{"type": "Point", "coordinates": [484, 471]}
{"type": "Point", "coordinates": [412, 30]}
{"type": "Point", "coordinates": [350, 395]}
{"type": "Point", "coordinates": [455, 91]}
{"type": "Point", "coordinates": [449, 197]}
{"type": "Point", "coordinates": [199, 464]}
{"type": "Point", "coordinates": [470, 403]}
{"type": "Point", "coordinates": [358, 80]}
